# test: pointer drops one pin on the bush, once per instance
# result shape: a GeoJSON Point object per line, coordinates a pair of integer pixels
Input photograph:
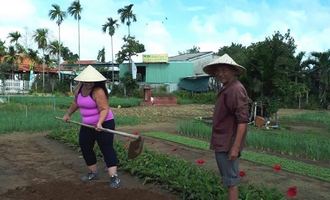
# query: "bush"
{"type": "Point", "coordinates": [185, 97]}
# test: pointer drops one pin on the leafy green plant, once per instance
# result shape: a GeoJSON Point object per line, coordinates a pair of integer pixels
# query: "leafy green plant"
{"type": "Point", "coordinates": [310, 146]}
{"type": "Point", "coordinates": [124, 102]}
{"type": "Point", "coordinates": [174, 174]}
{"type": "Point", "coordinates": [261, 158]}
{"type": "Point", "coordinates": [29, 118]}
{"type": "Point", "coordinates": [302, 145]}
{"type": "Point", "coordinates": [185, 97]}
{"type": "Point", "coordinates": [194, 128]}
{"type": "Point", "coordinates": [321, 118]}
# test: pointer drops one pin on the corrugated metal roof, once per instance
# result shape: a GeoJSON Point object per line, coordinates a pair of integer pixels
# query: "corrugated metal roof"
{"type": "Point", "coordinates": [83, 62]}
{"type": "Point", "coordinates": [189, 56]}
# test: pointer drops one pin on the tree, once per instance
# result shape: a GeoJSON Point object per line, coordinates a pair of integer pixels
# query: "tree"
{"type": "Point", "coordinates": [101, 55]}
{"type": "Point", "coordinates": [320, 68]}
{"type": "Point", "coordinates": [12, 58]}
{"type": "Point", "coordinates": [41, 38]}
{"type": "Point", "coordinates": [33, 56]}
{"type": "Point", "coordinates": [235, 51]}
{"type": "Point", "coordinates": [130, 48]}
{"type": "Point", "coordinates": [127, 15]}
{"type": "Point", "coordinates": [194, 49]}
{"type": "Point", "coordinates": [53, 48]}
{"type": "Point", "coordinates": [57, 14]}
{"type": "Point", "coordinates": [111, 26]}
{"type": "Point", "coordinates": [2, 48]}
{"type": "Point", "coordinates": [69, 56]}
{"type": "Point", "coordinates": [14, 37]}
{"type": "Point", "coordinates": [75, 11]}
{"type": "Point", "coordinates": [269, 66]}
{"type": "Point", "coordinates": [300, 78]}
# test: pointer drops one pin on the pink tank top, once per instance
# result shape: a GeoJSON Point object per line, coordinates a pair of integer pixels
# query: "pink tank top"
{"type": "Point", "coordinates": [89, 111]}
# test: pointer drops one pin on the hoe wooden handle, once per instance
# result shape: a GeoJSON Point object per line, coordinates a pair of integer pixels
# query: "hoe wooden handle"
{"type": "Point", "coordinates": [103, 129]}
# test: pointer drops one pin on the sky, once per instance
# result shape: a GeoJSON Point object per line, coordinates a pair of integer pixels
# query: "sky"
{"type": "Point", "coordinates": [170, 26]}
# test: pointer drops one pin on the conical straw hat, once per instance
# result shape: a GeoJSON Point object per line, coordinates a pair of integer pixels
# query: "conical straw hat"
{"type": "Point", "coordinates": [90, 74]}
{"type": "Point", "coordinates": [220, 62]}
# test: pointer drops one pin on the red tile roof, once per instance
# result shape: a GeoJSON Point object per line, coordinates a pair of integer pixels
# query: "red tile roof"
{"type": "Point", "coordinates": [83, 62]}
{"type": "Point", "coordinates": [25, 63]}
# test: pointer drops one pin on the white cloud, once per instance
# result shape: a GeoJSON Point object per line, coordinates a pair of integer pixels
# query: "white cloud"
{"type": "Point", "coordinates": [243, 18]}
{"type": "Point", "coordinates": [15, 10]}
{"type": "Point", "coordinates": [203, 26]}
{"type": "Point", "coordinates": [195, 8]}
{"type": "Point", "coordinates": [314, 41]}
{"type": "Point", "coordinates": [155, 37]}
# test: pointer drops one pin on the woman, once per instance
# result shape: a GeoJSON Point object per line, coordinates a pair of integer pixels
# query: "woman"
{"type": "Point", "coordinates": [91, 98]}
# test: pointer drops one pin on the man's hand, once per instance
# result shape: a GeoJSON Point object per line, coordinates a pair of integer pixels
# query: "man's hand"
{"type": "Point", "coordinates": [233, 153]}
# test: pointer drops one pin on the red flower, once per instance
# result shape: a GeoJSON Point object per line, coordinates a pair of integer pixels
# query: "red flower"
{"type": "Point", "coordinates": [292, 192]}
{"type": "Point", "coordinates": [136, 133]}
{"type": "Point", "coordinates": [200, 161]}
{"type": "Point", "coordinates": [174, 149]}
{"type": "Point", "coordinates": [277, 167]}
{"type": "Point", "coordinates": [242, 173]}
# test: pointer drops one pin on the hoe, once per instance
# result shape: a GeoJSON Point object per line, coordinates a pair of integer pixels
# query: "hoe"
{"type": "Point", "coordinates": [135, 147]}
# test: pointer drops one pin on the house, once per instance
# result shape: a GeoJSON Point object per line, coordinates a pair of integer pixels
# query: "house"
{"type": "Point", "coordinates": [183, 71]}
{"type": "Point", "coordinates": [69, 69]}
{"type": "Point", "coordinates": [19, 80]}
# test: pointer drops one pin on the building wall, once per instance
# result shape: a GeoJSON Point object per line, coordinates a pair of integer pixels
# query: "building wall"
{"type": "Point", "coordinates": [163, 72]}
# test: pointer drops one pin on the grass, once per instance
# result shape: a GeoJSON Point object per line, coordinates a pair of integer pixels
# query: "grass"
{"type": "Point", "coordinates": [65, 101]}
{"type": "Point", "coordinates": [260, 158]}
{"type": "Point", "coordinates": [19, 117]}
{"type": "Point", "coordinates": [310, 146]}
{"type": "Point", "coordinates": [124, 102]}
{"type": "Point", "coordinates": [301, 145]}
{"type": "Point", "coordinates": [316, 117]}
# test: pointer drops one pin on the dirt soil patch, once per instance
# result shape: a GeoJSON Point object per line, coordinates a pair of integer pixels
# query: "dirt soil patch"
{"type": "Point", "coordinates": [256, 174]}
{"type": "Point", "coordinates": [155, 114]}
{"type": "Point", "coordinates": [33, 167]}
{"type": "Point", "coordinates": [166, 118]}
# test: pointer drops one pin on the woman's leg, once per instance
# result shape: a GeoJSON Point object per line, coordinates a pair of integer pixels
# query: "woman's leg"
{"type": "Point", "coordinates": [86, 142]}
{"type": "Point", "coordinates": [105, 142]}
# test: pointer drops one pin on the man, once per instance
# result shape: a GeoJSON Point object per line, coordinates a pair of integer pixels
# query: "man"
{"type": "Point", "coordinates": [230, 120]}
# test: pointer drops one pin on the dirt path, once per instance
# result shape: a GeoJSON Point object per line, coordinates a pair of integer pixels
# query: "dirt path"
{"type": "Point", "coordinates": [33, 167]}
{"type": "Point", "coordinates": [308, 188]}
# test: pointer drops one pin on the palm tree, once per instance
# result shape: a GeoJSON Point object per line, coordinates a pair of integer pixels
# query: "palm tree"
{"type": "Point", "coordinates": [321, 67]}
{"type": "Point", "coordinates": [2, 48]}
{"type": "Point", "coordinates": [101, 55]}
{"type": "Point", "coordinates": [12, 58]}
{"type": "Point", "coordinates": [75, 11]}
{"type": "Point", "coordinates": [59, 15]}
{"type": "Point", "coordinates": [33, 56]}
{"type": "Point", "coordinates": [53, 47]}
{"type": "Point", "coordinates": [111, 26]}
{"type": "Point", "coordinates": [14, 37]}
{"type": "Point", "coordinates": [126, 15]}
{"type": "Point", "coordinates": [40, 37]}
